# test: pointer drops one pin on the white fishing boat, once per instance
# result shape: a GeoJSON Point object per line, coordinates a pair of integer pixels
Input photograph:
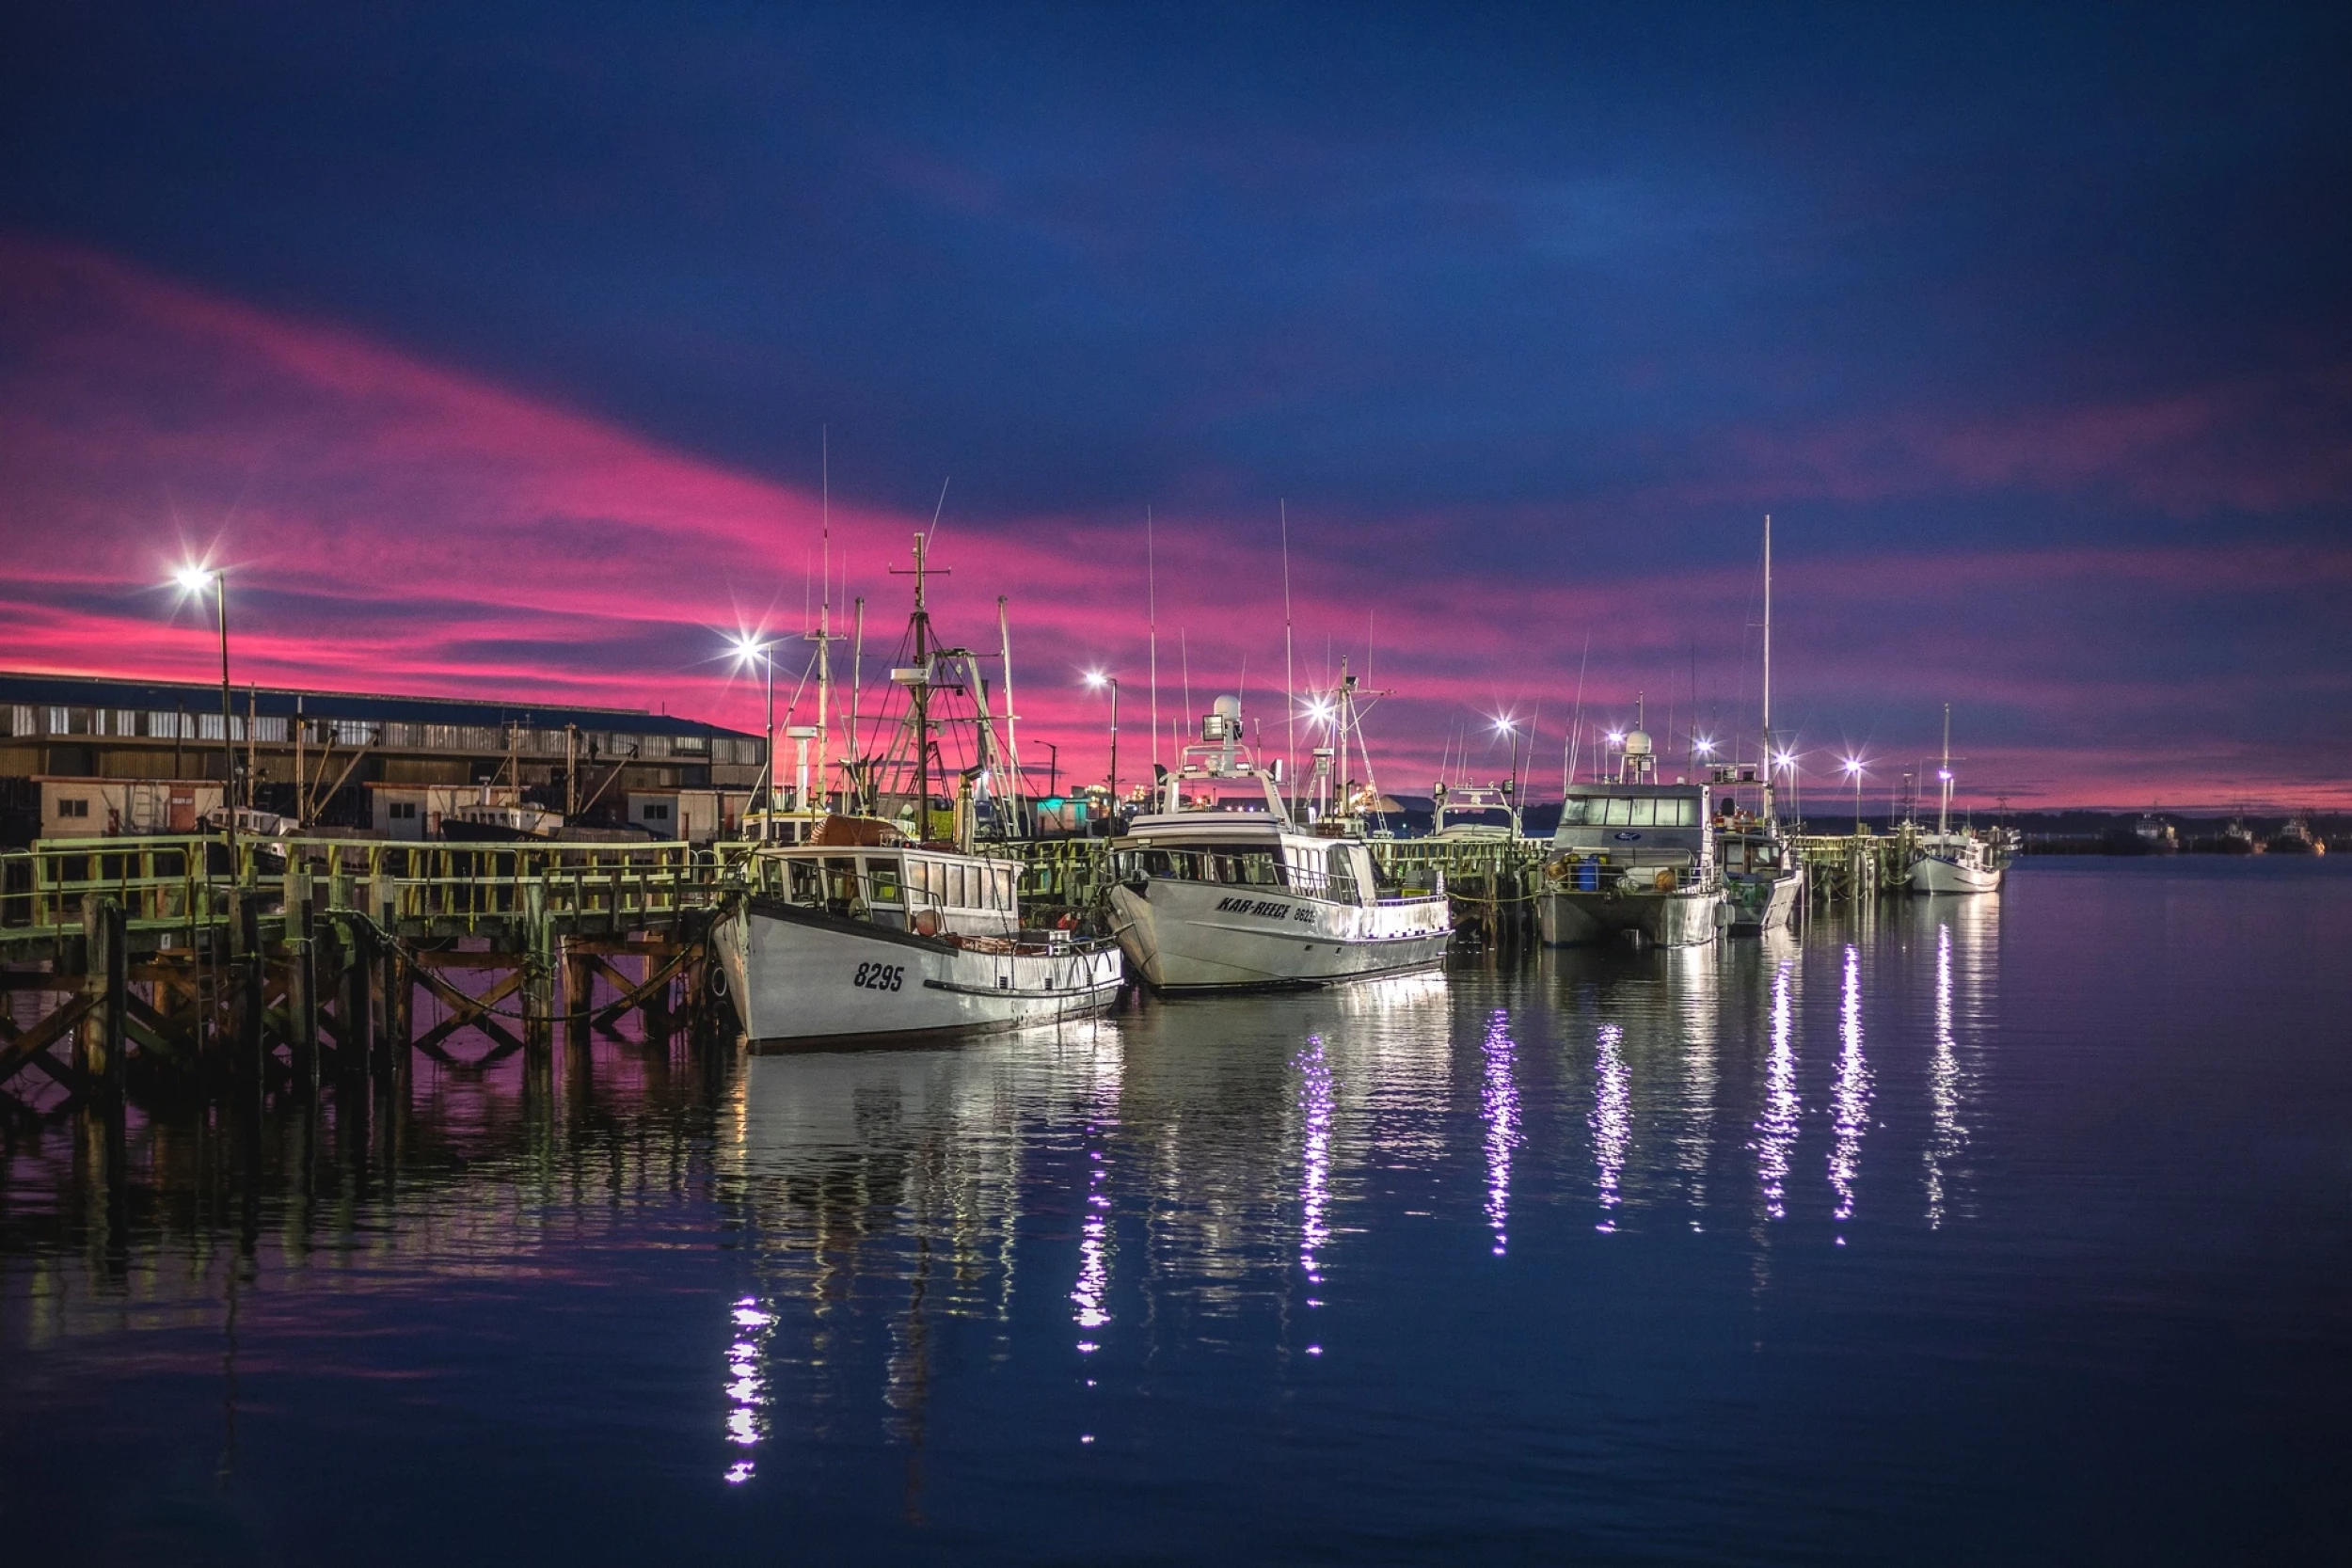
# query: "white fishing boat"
{"type": "Point", "coordinates": [862, 937]}
{"type": "Point", "coordinates": [1632, 858]}
{"type": "Point", "coordinates": [1218, 890]}
{"type": "Point", "coordinates": [1955, 862]}
{"type": "Point", "coordinates": [866, 932]}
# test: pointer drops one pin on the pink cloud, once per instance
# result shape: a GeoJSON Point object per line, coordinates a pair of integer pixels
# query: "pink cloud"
{"type": "Point", "coordinates": [393, 526]}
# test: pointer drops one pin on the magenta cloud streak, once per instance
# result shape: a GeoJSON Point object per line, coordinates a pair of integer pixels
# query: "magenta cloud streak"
{"type": "Point", "coordinates": [391, 526]}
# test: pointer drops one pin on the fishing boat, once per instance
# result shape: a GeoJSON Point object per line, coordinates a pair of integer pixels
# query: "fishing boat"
{"type": "Point", "coordinates": [870, 933]}
{"type": "Point", "coordinates": [1949, 862]}
{"type": "Point", "coordinates": [1632, 858]}
{"type": "Point", "coordinates": [2296, 838]}
{"type": "Point", "coordinates": [863, 937]}
{"type": "Point", "coordinates": [1218, 890]}
{"type": "Point", "coordinates": [1475, 813]}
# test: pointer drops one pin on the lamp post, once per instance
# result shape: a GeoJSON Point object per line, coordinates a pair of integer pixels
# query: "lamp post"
{"type": "Point", "coordinates": [1053, 769]}
{"type": "Point", "coordinates": [199, 580]}
{"type": "Point", "coordinates": [747, 649]}
{"type": "Point", "coordinates": [1853, 772]}
{"type": "Point", "coordinates": [1096, 679]}
{"type": "Point", "coordinates": [1507, 725]}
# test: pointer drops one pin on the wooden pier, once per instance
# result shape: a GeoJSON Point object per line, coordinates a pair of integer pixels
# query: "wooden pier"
{"type": "Point", "coordinates": [154, 964]}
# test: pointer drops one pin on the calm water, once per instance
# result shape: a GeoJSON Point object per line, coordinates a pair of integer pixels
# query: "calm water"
{"type": "Point", "coordinates": [2014, 1228]}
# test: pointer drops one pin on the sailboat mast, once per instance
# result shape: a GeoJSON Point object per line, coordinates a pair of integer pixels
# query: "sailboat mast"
{"type": "Point", "coordinates": [1943, 812]}
{"type": "Point", "coordinates": [1152, 625]}
{"type": "Point", "coordinates": [1770, 820]}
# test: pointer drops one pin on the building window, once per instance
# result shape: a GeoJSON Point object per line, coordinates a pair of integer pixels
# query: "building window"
{"type": "Point", "coordinates": [351, 732]}
{"type": "Point", "coordinates": [73, 807]}
{"type": "Point", "coordinates": [401, 811]}
{"type": "Point", "coordinates": [657, 812]}
{"type": "Point", "coordinates": [60, 721]}
{"type": "Point", "coordinates": [21, 719]}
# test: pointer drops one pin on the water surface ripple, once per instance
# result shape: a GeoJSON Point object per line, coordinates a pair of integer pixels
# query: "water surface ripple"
{"type": "Point", "coordinates": [2008, 1228]}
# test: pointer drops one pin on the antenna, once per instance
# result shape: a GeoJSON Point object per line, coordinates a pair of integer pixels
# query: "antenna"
{"type": "Point", "coordinates": [1771, 819]}
{"type": "Point", "coordinates": [1575, 731]}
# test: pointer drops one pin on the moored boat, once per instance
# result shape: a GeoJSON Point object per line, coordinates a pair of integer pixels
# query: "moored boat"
{"type": "Point", "coordinates": [862, 937]}
{"type": "Point", "coordinates": [1218, 890]}
{"type": "Point", "coordinates": [1952, 861]}
{"type": "Point", "coordinates": [1632, 858]}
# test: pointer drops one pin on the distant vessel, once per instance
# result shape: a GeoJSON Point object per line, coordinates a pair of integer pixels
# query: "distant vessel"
{"type": "Point", "coordinates": [2296, 838]}
{"type": "Point", "coordinates": [1632, 858]}
{"type": "Point", "coordinates": [1218, 890]}
{"type": "Point", "coordinates": [2153, 835]}
{"type": "Point", "coordinates": [1949, 862]}
{"type": "Point", "coordinates": [2238, 839]}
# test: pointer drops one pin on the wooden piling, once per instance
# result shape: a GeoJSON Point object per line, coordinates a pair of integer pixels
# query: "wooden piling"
{"type": "Point", "coordinates": [302, 1021]}
{"type": "Point", "coordinates": [100, 1045]}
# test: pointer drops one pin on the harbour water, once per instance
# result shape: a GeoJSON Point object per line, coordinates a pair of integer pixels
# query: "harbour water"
{"type": "Point", "coordinates": [2006, 1229]}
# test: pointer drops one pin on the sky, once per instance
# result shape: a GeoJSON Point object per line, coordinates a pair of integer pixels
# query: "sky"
{"type": "Point", "coordinates": [508, 351]}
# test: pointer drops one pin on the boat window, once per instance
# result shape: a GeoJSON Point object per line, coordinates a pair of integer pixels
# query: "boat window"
{"type": "Point", "coordinates": [1004, 876]}
{"type": "Point", "coordinates": [1341, 879]}
{"type": "Point", "coordinates": [1644, 812]}
{"type": "Point", "coordinates": [1245, 867]}
{"type": "Point", "coordinates": [806, 886]}
{"type": "Point", "coordinates": [883, 874]}
{"type": "Point", "coordinates": [1572, 813]}
{"type": "Point", "coordinates": [841, 877]}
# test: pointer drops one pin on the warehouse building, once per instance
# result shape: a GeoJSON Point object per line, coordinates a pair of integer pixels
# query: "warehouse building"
{"type": "Point", "coordinates": [88, 757]}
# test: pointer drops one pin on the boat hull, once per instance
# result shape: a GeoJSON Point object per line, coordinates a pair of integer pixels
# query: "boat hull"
{"type": "Point", "coordinates": [799, 976]}
{"type": "Point", "coordinates": [1570, 917]}
{"type": "Point", "coordinates": [1765, 904]}
{"type": "Point", "coordinates": [1933, 875]}
{"type": "Point", "coordinates": [1200, 936]}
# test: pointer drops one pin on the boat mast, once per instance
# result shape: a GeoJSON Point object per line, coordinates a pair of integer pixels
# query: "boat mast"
{"type": "Point", "coordinates": [922, 694]}
{"type": "Point", "coordinates": [1012, 740]}
{"type": "Point", "coordinates": [1290, 699]}
{"type": "Point", "coordinates": [824, 611]}
{"type": "Point", "coordinates": [1944, 813]}
{"type": "Point", "coordinates": [1770, 820]}
{"type": "Point", "coordinates": [857, 671]}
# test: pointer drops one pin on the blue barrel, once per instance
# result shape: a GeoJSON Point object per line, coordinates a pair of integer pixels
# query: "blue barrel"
{"type": "Point", "coordinates": [1588, 876]}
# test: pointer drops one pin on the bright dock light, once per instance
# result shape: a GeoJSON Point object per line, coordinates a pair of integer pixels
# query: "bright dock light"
{"type": "Point", "coordinates": [193, 579]}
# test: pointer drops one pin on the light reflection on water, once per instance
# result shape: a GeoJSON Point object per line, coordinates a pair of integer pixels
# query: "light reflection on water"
{"type": "Point", "coordinates": [1499, 1104]}
{"type": "Point", "coordinates": [1263, 1223]}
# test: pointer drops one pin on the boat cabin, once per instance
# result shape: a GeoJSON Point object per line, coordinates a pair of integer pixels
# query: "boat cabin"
{"type": "Point", "coordinates": [929, 892]}
{"type": "Point", "coordinates": [1197, 849]}
{"type": "Point", "coordinates": [1637, 826]}
{"type": "Point", "coordinates": [1475, 811]}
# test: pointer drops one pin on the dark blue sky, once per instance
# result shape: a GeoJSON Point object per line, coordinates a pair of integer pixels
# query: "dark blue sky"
{"type": "Point", "coordinates": [2054, 297]}
{"type": "Point", "coordinates": [1509, 264]}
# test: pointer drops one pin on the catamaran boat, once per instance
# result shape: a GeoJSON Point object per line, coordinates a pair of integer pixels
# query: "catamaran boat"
{"type": "Point", "coordinates": [863, 937]}
{"type": "Point", "coordinates": [1956, 861]}
{"type": "Point", "coordinates": [1218, 890]}
{"type": "Point", "coordinates": [1632, 858]}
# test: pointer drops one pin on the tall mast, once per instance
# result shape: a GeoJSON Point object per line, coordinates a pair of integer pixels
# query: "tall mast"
{"type": "Point", "coordinates": [1770, 820]}
{"type": "Point", "coordinates": [857, 672]}
{"type": "Point", "coordinates": [1152, 624]}
{"type": "Point", "coordinates": [1290, 700]}
{"type": "Point", "coordinates": [824, 614]}
{"type": "Point", "coordinates": [922, 703]}
{"type": "Point", "coordinates": [1943, 812]}
{"type": "Point", "coordinates": [1013, 737]}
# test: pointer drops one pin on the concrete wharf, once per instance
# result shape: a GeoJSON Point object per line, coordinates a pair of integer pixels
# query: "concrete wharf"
{"type": "Point", "coordinates": [154, 963]}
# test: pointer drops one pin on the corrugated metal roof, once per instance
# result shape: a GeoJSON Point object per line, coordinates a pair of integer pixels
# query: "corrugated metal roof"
{"type": "Point", "coordinates": [275, 702]}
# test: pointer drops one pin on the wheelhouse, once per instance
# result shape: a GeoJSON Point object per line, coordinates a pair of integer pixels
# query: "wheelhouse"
{"type": "Point", "coordinates": [904, 889]}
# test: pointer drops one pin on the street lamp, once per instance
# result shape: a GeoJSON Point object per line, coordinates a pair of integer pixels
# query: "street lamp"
{"type": "Point", "coordinates": [1853, 772]}
{"type": "Point", "coordinates": [197, 582]}
{"type": "Point", "coordinates": [748, 648]}
{"type": "Point", "coordinates": [1096, 680]}
{"type": "Point", "coordinates": [1510, 726]}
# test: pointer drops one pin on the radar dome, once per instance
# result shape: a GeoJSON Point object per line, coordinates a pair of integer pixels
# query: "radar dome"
{"type": "Point", "coordinates": [1637, 743]}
